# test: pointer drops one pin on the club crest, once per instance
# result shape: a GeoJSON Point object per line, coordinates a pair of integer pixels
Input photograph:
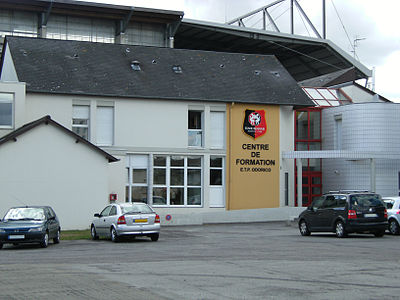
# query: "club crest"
{"type": "Point", "coordinates": [254, 123]}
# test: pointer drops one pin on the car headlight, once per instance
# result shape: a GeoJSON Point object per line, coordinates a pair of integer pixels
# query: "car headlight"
{"type": "Point", "coordinates": [36, 229]}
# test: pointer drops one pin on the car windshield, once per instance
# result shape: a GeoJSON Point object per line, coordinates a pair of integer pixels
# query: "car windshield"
{"type": "Point", "coordinates": [25, 214]}
{"type": "Point", "coordinates": [365, 200]}
{"type": "Point", "coordinates": [136, 208]}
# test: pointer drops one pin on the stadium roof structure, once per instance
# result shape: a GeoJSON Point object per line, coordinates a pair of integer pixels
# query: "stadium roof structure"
{"type": "Point", "coordinates": [303, 57]}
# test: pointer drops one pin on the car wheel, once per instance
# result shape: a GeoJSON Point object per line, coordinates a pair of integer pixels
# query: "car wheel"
{"type": "Point", "coordinates": [93, 233]}
{"type": "Point", "coordinates": [394, 227]}
{"type": "Point", "coordinates": [56, 240]}
{"type": "Point", "coordinates": [154, 237]}
{"type": "Point", "coordinates": [1, 245]}
{"type": "Point", "coordinates": [339, 230]}
{"type": "Point", "coordinates": [379, 233]}
{"type": "Point", "coordinates": [114, 235]}
{"type": "Point", "coordinates": [45, 240]}
{"type": "Point", "coordinates": [303, 227]}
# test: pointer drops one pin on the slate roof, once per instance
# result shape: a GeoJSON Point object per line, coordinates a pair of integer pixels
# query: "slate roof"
{"type": "Point", "coordinates": [85, 68]}
{"type": "Point", "coordinates": [12, 136]}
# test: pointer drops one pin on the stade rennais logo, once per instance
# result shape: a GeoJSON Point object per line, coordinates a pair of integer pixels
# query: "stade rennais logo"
{"type": "Point", "coordinates": [254, 123]}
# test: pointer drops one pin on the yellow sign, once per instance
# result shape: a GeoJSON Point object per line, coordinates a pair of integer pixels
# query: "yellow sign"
{"type": "Point", "coordinates": [253, 156]}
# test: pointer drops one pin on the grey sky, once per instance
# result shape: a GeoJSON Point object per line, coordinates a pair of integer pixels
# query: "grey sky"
{"type": "Point", "coordinates": [375, 22]}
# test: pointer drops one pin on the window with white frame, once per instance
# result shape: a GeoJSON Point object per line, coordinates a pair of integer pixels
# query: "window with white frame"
{"type": "Point", "coordinates": [6, 110]}
{"type": "Point", "coordinates": [184, 183]}
{"type": "Point", "coordinates": [195, 128]}
{"type": "Point", "coordinates": [137, 183]}
{"type": "Point", "coordinates": [105, 125]}
{"type": "Point", "coordinates": [216, 171]}
{"type": "Point", "coordinates": [81, 120]}
{"type": "Point", "coordinates": [217, 191]}
{"type": "Point", "coordinates": [160, 180]}
{"type": "Point", "coordinates": [194, 180]}
{"type": "Point", "coordinates": [217, 130]}
{"type": "Point", "coordinates": [176, 180]}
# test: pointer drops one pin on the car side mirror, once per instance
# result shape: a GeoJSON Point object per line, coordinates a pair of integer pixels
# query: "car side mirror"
{"type": "Point", "coordinates": [97, 215]}
{"type": "Point", "coordinates": [310, 208]}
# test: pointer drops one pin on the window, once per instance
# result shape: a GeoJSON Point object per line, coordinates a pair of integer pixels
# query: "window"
{"type": "Point", "coordinates": [6, 110]}
{"type": "Point", "coordinates": [175, 180]}
{"type": "Point", "coordinates": [195, 131]}
{"type": "Point", "coordinates": [147, 34]}
{"type": "Point", "coordinates": [216, 170]}
{"type": "Point", "coordinates": [113, 211]}
{"type": "Point", "coordinates": [137, 186]}
{"type": "Point", "coordinates": [18, 23]}
{"type": "Point", "coordinates": [106, 211]}
{"type": "Point", "coordinates": [194, 179]}
{"type": "Point", "coordinates": [217, 192]}
{"type": "Point", "coordinates": [338, 132]}
{"type": "Point", "coordinates": [105, 125]}
{"type": "Point", "coordinates": [81, 29]}
{"type": "Point", "coordinates": [80, 120]}
{"type": "Point", "coordinates": [341, 201]}
{"type": "Point", "coordinates": [217, 130]}
{"type": "Point", "coordinates": [159, 180]}
{"type": "Point", "coordinates": [330, 202]}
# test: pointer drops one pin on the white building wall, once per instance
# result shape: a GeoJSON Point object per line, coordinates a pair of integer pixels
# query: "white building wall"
{"type": "Point", "coordinates": [142, 126]}
{"type": "Point", "coordinates": [50, 168]}
{"type": "Point", "coordinates": [286, 138]}
{"type": "Point", "coordinates": [365, 127]}
{"type": "Point", "coordinates": [150, 124]}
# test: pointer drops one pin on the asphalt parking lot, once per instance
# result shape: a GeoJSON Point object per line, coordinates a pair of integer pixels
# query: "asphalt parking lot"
{"type": "Point", "coordinates": [231, 261]}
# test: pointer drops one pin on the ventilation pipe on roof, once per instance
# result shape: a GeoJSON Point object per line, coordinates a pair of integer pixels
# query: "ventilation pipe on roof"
{"type": "Point", "coordinates": [171, 30]}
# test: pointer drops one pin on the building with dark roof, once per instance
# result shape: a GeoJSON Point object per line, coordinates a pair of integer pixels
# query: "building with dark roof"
{"type": "Point", "coordinates": [44, 162]}
{"type": "Point", "coordinates": [202, 117]}
{"type": "Point", "coordinates": [194, 130]}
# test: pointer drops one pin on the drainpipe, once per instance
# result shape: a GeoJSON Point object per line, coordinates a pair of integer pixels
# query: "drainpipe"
{"type": "Point", "coordinates": [299, 182]}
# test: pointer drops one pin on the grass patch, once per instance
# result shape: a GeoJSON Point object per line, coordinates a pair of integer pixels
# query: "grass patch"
{"type": "Point", "coordinates": [75, 234]}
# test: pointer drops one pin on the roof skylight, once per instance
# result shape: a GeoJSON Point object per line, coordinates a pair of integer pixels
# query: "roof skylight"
{"type": "Point", "coordinates": [135, 65]}
{"type": "Point", "coordinates": [177, 69]}
{"type": "Point", "coordinates": [327, 96]}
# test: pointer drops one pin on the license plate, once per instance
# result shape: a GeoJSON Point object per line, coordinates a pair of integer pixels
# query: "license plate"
{"type": "Point", "coordinates": [140, 220]}
{"type": "Point", "coordinates": [370, 215]}
{"type": "Point", "coordinates": [16, 237]}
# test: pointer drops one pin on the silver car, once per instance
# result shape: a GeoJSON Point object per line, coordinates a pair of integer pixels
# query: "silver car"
{"type": "Point", "coordinates": [393, 209]}
{"type": "Point", "coordinates": [126, 220]}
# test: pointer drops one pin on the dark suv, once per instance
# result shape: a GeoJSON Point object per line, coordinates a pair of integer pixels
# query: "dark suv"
{"type": "Point", "coordinates": [344, 212]}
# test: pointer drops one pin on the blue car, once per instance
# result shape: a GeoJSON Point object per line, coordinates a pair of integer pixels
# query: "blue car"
{"type": "Point", "coordinates": [30, 224]}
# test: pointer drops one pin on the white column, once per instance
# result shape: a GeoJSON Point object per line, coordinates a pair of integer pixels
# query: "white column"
{"type": "Point", "coordinates": [299, 182]}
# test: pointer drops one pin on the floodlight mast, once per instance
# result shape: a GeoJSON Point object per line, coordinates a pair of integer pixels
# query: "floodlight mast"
{"type": "Point", "coordinates": [266, 15]}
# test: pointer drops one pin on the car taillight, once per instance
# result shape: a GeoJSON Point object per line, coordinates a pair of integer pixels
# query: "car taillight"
{"type": "Point", "coordinates": [385, 213]}
{"type": "Point", "coordinates": [157, 220]}
{"type": "Point", "coordinates": [352, 214]}
{"type": "Point", "coordinates": [398, 212]}
{"type": "Point", "coordinates": [121, 220]}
